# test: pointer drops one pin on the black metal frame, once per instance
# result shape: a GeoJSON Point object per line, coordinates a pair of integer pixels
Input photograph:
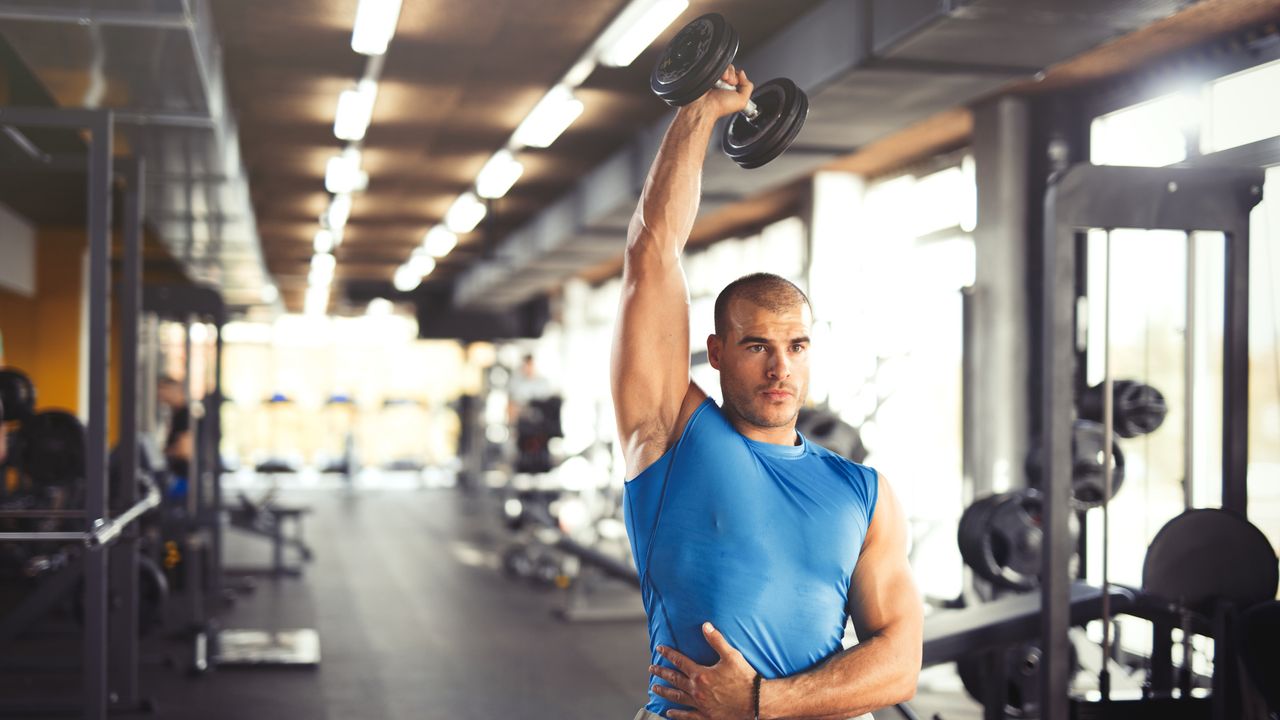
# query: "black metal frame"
{"type": "Point", "coordinates": [1083, 197]}
{"type": "Point", "coordinates": [110, 642]}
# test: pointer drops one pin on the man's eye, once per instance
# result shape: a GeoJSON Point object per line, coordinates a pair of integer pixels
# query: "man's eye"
{"type": "Point", "coordinates": [798, 348]}
{"type": "Point", "coordinates": [756, 348]}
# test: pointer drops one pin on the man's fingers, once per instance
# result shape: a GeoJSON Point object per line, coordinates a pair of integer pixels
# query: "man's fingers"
{"type": "Point", "coordinates": [672, 694]}
{"type": "Point", "coordinates": [730, 75]}
{"type": "Point", "coordinates": [676, 679]}
{"type": "Point", "coordinates": [717, 641]}
{"type": "Point", "coordinates": [682, 663]}
{"type": "Point", "coordinates": [745, 86]}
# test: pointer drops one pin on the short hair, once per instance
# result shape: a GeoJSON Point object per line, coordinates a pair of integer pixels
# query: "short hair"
{"type": "Point", "coordinates": [771, 292]}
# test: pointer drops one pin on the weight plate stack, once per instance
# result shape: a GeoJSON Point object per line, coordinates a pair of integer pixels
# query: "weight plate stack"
{"type": "Point", "coordinates": [783, 107]}
{"type": "Point", "coordinates": [694, 60]}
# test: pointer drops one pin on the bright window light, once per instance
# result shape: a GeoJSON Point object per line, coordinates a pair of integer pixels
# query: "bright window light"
{"type": "Point", "coordinates": [1243, 108]}
{"type": "Point", "coordinates": [439, 242]}
{"type": "Point", "coordinates": [269, 293]}
{"type": "Point", "coordinates": [324, 241]}
{"type": "Point", "coordinates": [339, 212]}
{"type": "Point", "coordinates": [406, 279]}
{"type": "Point", "coordinates": [380, 307]}
{"type": "Point", "coordinates": [553, 114]}
{"type": "Point", "coordinates": [375, 24]}
{"type": "Point", "coordinates": [636, 27]}
{"type": "Point", "coordinates": [421, 263]}
{"type": "Point", "coordinates": [343, 173]}
{"type": "Point", "coordinates": [355, 110]}
{"type": "Point", "coordinates": [465, 213]}
{"type": "Point", "coordinates": [322, 267]}
{"type": "Point", "coordinates": [498, 175]}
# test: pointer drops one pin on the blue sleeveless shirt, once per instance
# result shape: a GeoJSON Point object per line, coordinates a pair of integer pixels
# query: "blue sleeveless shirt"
{"type": "Point", "coordinates": [756, 538]}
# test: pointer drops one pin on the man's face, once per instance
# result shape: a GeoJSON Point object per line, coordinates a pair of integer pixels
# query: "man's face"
{"type": "Point", "coordinates": [763, 359]}
{"type": "Point", "coordinates": [170, 394]}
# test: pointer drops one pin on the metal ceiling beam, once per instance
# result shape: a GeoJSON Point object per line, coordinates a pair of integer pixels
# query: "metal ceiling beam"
{"type": "Point", "coordinates": [870, 67]}
{"type": "Point", "coordinates": [90, 16]}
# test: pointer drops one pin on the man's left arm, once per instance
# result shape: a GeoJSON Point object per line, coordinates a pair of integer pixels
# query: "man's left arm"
{"type": "Point", "coordinates": [879, 671]}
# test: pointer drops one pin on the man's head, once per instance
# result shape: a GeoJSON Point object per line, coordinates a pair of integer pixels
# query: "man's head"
{"type": "Point", "coordinates": [761, 348]}
{"type": "Point", "coordinates": [170, 392]}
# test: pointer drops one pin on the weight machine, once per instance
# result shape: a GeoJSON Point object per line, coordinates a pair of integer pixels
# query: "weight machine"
{"type": "Point", "coordinates": [109, 559]}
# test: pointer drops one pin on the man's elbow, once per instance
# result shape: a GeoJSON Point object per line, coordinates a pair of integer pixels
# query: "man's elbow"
{"type": "Point", "coordinates": [908, 672]}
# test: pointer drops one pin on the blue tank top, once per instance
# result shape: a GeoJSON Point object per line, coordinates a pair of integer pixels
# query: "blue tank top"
{"type": "Point", "coordinates": [757, 538]}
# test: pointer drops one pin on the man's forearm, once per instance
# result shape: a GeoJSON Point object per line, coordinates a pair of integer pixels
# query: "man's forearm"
{"type": "Point", "coordinates": [669, 202]}
{"type": "Point", "coordinates": [877, 673]}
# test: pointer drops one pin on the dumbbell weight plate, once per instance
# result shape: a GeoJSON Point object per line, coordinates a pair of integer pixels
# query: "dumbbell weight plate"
{"type": "Point", "coordinates": [695, 59]}
{"type": "Point", "coordinates": [783, 107]}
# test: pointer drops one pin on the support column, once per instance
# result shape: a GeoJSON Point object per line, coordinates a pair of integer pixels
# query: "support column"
{"type": "Point", "coordinates": [997, 339]}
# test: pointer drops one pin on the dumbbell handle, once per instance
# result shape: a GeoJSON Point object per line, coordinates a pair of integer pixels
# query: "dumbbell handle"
{"type": "Point", "coordinates": [751, 111]}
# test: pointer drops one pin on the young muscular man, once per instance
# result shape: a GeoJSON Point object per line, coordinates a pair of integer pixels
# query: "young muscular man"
{"type": "Point", "coordinates": [752, 543]}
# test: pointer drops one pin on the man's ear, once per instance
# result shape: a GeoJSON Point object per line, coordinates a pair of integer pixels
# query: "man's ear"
{"type": "Point", "coordinates": [713, 350]}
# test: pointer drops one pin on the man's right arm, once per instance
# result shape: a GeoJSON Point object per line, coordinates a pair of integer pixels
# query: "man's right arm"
{"type": "Point", "coordinates": [652, 393]}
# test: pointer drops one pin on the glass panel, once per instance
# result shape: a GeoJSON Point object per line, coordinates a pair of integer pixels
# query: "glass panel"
{"type": "Point", "coordinates": [1150, 134]}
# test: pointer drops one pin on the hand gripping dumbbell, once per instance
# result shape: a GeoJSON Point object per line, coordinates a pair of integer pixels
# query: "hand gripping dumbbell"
{"type": "Point", "coordinates": [693, 64]}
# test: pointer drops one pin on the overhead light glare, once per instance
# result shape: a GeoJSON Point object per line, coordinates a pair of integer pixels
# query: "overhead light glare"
{"type": "Point", "coordinates": [406, 279]}
{"type": "Point", "coordinates": [465, 213]}
{"type": "Point", "coordinates": [339, 212]}
{"type": "Point", "coordinates": [636, 28]}
{"type": "Point", "coordinates": [439, 241]}
{"type": "Point", "coordinates": [374, 26]}
{"type": "Point", "coordinates": [355, 111]}
{"type": "Point", "coordinates": [553, 114]}
{"type": "Point", "coordinates": [322, 269]}
{"type": "Point", "coordinates": [421, 263]}
{"type": "Point", "coordinates": [343, 173]}
{"type": "Point", "coordinates": [317, 300]}
{"type": "Point", "coordinates": [380, 307]}
{"type": "Point", "coordinates": [270, 293]}
{"type": "Point", "coordinates": [324, 241]}
{"type": "Point", "coordinates": [498, 175]}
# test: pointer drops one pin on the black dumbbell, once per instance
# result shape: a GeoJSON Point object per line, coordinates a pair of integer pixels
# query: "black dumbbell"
{"type": "Point", "coordinates": [693, 64]}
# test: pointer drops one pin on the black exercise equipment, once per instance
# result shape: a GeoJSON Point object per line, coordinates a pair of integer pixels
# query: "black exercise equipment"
{"type": "Point", "coordinates": [153, 596]}
{"type": "Point", "coordinates": [1207, 556]}
{"type": "Point", "coordinates": [1021, 677]}
{"type": "Point", "coordinates": [17, 394]}
{"type": "Point", "coordinates": [1261, 650]}
{"type": "Point", "coordinates": [1087, 448]}
{"type": "Point", "coordinates": [825, 428]}
{"type": "Point", "coordinates": [1000, 537]}
{"type": "Point", "coordinates": [692, 65]}
{"type": "Point", "coordinates": [1137, 408]}
{"type": "Point", "coordinates": [53, 448]}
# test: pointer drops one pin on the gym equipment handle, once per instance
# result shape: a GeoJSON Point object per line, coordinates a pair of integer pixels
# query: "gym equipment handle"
{"type": "Point", "coordinates": [751, 111]}
{"type": "Point", "coordinates": [103, 531]}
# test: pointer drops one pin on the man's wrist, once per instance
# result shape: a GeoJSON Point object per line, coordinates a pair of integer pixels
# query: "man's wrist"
{"type": "Point", "coordinates": [767, 707]}
{"type": "Point", "coordinates": [696, 117]}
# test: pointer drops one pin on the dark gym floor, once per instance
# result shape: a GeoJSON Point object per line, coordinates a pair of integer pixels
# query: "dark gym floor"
{"type": "Point", "coordinates": [415, 622]}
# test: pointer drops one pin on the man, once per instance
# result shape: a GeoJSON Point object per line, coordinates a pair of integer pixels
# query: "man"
{"type": "Point", "coordinates": [752, 544]}
{"type": "Point", "coordinates": [179, 443]}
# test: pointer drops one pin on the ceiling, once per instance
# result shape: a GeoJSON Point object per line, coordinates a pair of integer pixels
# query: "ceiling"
{"type": "Point", "coordinates": [240, 95]}
{"type": "Point", "coordinates": [458, 78]}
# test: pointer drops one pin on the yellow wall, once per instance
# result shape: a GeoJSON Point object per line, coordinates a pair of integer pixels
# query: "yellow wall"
{"type": "Point", "coordinates": [42, 333]}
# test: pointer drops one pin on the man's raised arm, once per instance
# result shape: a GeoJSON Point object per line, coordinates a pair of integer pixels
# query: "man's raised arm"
{"type": "Point", "coordinates": [650, 366]}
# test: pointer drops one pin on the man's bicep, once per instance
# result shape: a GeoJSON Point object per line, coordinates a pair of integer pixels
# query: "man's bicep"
{"type": "Point", "coordinates": [650, 358]}
{"type": "Point", "coordinates": [884, 592]}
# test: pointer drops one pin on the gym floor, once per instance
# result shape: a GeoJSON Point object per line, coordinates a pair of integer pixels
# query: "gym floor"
{"type": "Point", "coordinates": [415, 621]}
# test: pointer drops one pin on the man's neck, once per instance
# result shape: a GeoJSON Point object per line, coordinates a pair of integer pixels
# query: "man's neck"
{"type": "Point", "coordinates": [784, 435]}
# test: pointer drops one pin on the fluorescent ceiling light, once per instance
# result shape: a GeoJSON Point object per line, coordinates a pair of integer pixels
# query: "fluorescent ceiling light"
{"type": "Point", "coordinates": [438, 241]}
{"type": "Point", "coordinates": [355, 110]}
{"type": "Point", "coordinates": [324, 241]}
{"type": "Point", "coordinates": [498, 175]}
{"type": "Point", "coordinates": [269, 293]}
{"type": "Point", "coordinates": [406, 279]}
{"type": "Point", "coordinates": [317, 300]}
{"type": "Point", "coordinates": [322, 267]}
{"type": "Point", "coordinates": [636, 28]}
{"type": "Point", "coordinates": [421, 263]}
{"type": "Point", "coordinates": [553, 114]}
{"type": "Point", "coordinates": [374, 26]}
{"type": "Point", "coordinates": [380, 306]}
{"type": "Point", "coordinates": [465, 213]}
{"type": "Point", "coordinates": [343, 173]}
{"type": "Point", "coordinates": [339, 212]}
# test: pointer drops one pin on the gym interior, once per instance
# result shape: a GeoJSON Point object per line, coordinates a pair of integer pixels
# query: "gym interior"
{"type": "Point", "coordinates": [306, 312]}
